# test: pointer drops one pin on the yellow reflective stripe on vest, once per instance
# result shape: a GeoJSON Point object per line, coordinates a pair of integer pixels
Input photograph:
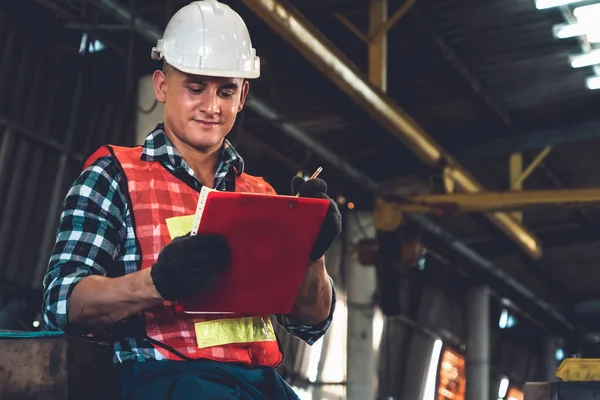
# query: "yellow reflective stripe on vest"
{"type": "Point", "coordinates": [234, 330]}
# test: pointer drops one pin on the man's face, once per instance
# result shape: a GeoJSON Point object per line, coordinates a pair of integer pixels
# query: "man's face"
{"type": "Point", "coordinates": [199, 110]}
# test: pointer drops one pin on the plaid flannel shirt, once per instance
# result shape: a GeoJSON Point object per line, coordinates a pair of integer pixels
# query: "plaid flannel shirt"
{"type": "Point", "coordinates": [96, 237]}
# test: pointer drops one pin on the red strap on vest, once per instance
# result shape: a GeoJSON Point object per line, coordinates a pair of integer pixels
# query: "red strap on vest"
{"type": "Point", "coordinates": [101, 152]}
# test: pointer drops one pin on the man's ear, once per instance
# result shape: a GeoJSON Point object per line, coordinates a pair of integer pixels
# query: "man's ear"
{"type": "Point", "coordinates": [243, 94]}
{"type": "Point", "coordinates": [160, 86]}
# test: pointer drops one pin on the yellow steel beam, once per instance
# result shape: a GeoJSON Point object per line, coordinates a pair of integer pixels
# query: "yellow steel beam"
{"type": "Point", "coordinates": [531, 167]}
{"type": "Point", "coordinates": [449, 183]}
{"type": "Point", "coordinates": [389, 210]}
{"type": "Point", "coordinates": [378, 47]}
{"type": "Point", "coordinates": [352, 28]}
{"type": "Point", "coordinates": [501, 201]}
{"type": "Point", "coordinates": [387, 216]}
{"type": "Point", "coordinates": [515, 172]}
{"type": "Point", "coordinates": [309, 41]}
{"type": "Point", "coordinates": [383, 29]}
{"type": "Point", "coordinates": [518, 175]}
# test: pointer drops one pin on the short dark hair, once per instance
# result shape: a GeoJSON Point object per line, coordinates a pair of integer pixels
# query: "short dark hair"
{"type": "Point", "coordinates": [167, 69]}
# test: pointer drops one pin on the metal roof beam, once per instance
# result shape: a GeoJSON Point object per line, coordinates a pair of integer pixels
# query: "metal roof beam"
{"type": "Point", "coordinates": [576, 133]}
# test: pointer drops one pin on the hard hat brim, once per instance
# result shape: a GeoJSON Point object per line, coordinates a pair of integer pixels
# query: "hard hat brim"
{"type": "Point", "coordinates": [217, 72]}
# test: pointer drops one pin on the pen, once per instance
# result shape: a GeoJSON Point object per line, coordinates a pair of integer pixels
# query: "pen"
{"type": "Point", "coordinates": [313, 176]}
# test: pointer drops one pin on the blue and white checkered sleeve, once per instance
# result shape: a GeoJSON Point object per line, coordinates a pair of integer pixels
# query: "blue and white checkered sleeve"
{"type": "Point", "coordinates": [308, 333]}
{"type": "Point", "coordinates": [88, 238]}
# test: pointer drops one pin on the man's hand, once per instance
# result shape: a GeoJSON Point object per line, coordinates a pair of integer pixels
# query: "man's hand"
{"type": "Point", "coordinates": [184, 267]}
{"type": "Point", "coordinates": [332, 224]}
{"type": "Point", "coordinates": [189, 264]}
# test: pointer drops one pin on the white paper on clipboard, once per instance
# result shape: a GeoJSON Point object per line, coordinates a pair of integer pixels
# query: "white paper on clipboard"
{"type": "Point", "coordinates": [204, 192]}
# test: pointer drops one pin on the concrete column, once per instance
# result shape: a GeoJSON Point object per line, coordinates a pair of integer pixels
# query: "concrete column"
{"type": "Point", "coordinates": [146, 122]}
{"type": "Point", "coordinates": [549, 364]}
{"type": "Point", "coordinates": [478, 343]}
{"type": "Point", "coordinates": [361, 282]}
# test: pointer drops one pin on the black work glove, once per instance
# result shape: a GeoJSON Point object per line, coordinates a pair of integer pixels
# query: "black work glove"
{"type": "Point", "coordinates": [189, 264]}
{"type": "Point", "coordinates": [332, 224]}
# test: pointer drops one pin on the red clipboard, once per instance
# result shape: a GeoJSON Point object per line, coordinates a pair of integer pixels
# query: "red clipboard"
{"type": "Point", "coordinates": [270, 238]}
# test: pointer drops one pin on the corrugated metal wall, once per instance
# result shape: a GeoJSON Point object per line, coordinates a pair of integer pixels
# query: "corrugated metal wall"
{"type": "Point", "coordinates": [56, 106]}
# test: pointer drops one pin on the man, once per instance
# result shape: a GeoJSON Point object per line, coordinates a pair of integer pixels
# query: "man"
{"type": "Point", "coordinates": [114, 271]}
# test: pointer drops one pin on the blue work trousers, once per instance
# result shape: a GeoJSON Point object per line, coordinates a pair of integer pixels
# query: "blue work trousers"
{"type": "Point", "coordinates": [202, 379]}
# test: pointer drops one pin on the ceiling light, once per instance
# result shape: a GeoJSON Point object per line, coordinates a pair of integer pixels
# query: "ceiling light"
{"type": "Point", "coordinates": [593, 82]}
{"type": "Point", "coordinates": [502, 322]}
{"type": "Point", "coordinates": [588, 17]}
{"type": "Point", "coordinates": [589, 28]}
{"type": "Point", "coordinates": [586, 59]}
{"type": "Point", "coordinates": [590, 10]}
{"type": "Point", "coordinates": [430, 381]}
{"type": "Point", "coordinates": [543, 4]}
{"type": "Point", "coordinates": [503, 388]}
{"type": "Point", "coordinates": [564, 31]}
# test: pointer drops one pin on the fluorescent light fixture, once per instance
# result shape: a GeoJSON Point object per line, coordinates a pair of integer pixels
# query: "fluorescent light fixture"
{"type": "Point", "coordinates": [378, 324]}
{"type": "Point", "coordinates": [543, 4]}
{"type": "Point", "coordinates": [96, 46]}
{"type": "Point", "coordinates": [593, 10]}
{"type": "Point", "coordinates": [511, 321]}
{"type": "Point", "coordinates": [593, 82]}
{"type": "Point", "coordinates": [84, 41]}
{"type": "Point", "coordinates": [503, 321]}
{"type": "Point", "coordinates": [585, 59]}
{"type": "Point", "coordinates": [564, 31]}
{"type": "Point", "coordinates": [93, 47]}
{"type": "Point", "coordinates": [429, 392]}
{"type": "Point", "coordinates": [503, 388]}
{"type": "Point", "coordinates": [588, 17]}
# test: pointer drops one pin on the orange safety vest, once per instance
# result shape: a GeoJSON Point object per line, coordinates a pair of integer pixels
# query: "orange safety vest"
{"type": "Point", "coordinates": [154, 196]}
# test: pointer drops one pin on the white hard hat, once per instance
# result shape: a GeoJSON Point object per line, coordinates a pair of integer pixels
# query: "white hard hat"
{"type": "Point", "coordinates": [208, 38]}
